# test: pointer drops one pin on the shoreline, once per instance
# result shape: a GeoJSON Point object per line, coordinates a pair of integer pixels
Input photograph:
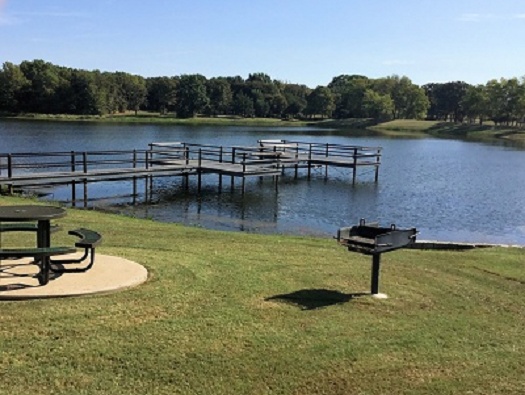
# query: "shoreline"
{"type": "Point", "coordinates": [401, 128]}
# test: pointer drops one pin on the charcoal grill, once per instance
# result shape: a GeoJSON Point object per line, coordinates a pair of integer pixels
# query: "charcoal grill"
{"type": "Point", "coordinates": [371, 239]}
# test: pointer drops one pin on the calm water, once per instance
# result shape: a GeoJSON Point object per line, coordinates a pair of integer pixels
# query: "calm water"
{"type": "Point", "coordinates": [448, 189]}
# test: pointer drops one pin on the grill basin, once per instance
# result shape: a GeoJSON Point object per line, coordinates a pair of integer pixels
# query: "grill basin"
{"type": "Point", "coordinates": [373, 240]}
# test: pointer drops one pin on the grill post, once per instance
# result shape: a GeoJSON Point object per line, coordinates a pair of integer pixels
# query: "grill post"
{"type": "Point", "coordinates": [376, 265]}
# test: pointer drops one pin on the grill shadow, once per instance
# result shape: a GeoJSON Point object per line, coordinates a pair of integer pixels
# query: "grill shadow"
{"type": "Point", "coordinates": [311, 299]}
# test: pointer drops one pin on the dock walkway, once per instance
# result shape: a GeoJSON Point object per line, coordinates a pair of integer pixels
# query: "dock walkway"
{"type": "Point", "coordinates": [270, 158]}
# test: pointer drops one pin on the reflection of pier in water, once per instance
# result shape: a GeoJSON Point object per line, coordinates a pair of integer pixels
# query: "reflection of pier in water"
{"type": "Point", "coordinates": [270, 158]}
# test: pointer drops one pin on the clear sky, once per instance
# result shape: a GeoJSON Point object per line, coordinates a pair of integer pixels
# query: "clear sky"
{"type": "Point", "coordinates": [298, 41]}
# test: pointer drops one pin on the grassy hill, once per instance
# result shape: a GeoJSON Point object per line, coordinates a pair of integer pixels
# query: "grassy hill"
{"type": "Point", "coordinates": [237, 313]}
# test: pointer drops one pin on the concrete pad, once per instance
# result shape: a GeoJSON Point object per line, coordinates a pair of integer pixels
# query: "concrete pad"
{"type": "Point", "coordinates": [109, 274]}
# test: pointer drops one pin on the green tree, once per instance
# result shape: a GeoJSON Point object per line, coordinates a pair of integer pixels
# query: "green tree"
{"type": "Point", "coordinates": [81, 95]}
{"type": "Point", "coordinates": [39, 95]}
{"type": "Point", "coordinates": [12, 83]}
{"type": "Point", "coordinates": [320, 102]}
{"type": "Point", "coordinates": [446, 100]}
{"type": "Point", "coordinates": [475, 103]}
{"type": "Point", "coordinates": [295, 96]}
{"type": "Point", "coordinates": [243, 105]}
{"type": "Point", "coordinates": [377, 105]}
{"type": "Point", "coordinates": [221, 96]}
{"type": "Point", "coordinates": [410, 101]}
{"type": "Point", "coordinates": [191, 95]}
{"type": "Point", "coordinates": [161, 94]}
{"type": "Point", "coordinates": [349, 91]}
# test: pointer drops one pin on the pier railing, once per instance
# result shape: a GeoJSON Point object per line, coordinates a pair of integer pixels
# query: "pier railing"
{"type": "Point", "coordinates": [68, 162]}
{"type": "Point", "coordinates": [269, 158]}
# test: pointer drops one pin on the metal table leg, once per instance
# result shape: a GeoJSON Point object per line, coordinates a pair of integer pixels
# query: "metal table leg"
{"type": "Point", "coordinates": [44, 241]}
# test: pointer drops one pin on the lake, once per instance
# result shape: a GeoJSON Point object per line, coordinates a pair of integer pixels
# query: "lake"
{"type": "Point", "coordinates": [450, 190]}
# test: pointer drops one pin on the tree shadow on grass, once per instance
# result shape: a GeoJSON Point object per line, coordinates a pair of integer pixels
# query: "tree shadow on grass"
{"type": "Point", "coordinates": [311, 299]}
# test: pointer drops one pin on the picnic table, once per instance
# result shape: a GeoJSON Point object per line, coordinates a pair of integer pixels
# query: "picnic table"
{"type": "Point", "coordinates": [37, 219]}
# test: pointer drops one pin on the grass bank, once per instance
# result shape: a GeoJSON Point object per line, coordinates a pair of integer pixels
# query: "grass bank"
{"type": "Point", "coordinates": [411, 127]}
{"type": "Point", "coordinates": [155, 118]}
{"type": "Point", "coordinates": [236, 313]}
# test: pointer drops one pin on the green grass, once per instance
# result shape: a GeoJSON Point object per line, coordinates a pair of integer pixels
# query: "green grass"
{"type": "Point", "coordinates": [420, 128]}
{"type": "Point", "coordinates": [236, 313]}
{"type": "Point", "coordinates": [154, 118]}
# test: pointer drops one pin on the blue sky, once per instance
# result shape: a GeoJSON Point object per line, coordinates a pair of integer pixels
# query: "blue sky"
{"type": "Point", "coordinates": [298, 41]}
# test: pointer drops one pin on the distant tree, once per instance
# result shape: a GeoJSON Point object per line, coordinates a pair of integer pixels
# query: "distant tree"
{"type": "Point", "coordinates": [81, 95]}
{"type": "Point", "coordinates": [191, 95]}
{"type": "Point", "coordinates": [377, 105]}
{"type": "Point", "coordinates": [475, 103]}
{"type": "Point", "coordinates": [221, 96]}
{"type": "Point", "coordinates": [278, 105]}
{"type": "Point", "coordinates": [39, 95]}
{"type": "Point", "coordinates": [349, 91]}
{"type": "Point", "coordinates": [135, 91]}
{"type": "Point", "coordinates": [295, 96]}
{"type": "Point", "coordinates": [446, 100]}
{"type": "Point", "coordinates": [410, 101]}
{"type": "Point", "coordinates": [243, 105]}
{"type": "Point", "coordinates": [161, 94]}
{"type": "Point", "coordinates": [320, 102]}
{"type": "Point", "coordinates": [12, 83]}
{"type": "Point", "coordinates": [506, 100]}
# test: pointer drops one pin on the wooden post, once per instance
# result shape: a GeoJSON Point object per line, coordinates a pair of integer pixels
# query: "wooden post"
{"type": "Point", "coordinates": [378, 161]}
{"type": "Point", "coordinates": [84, 169]}
{"type": "Point", "coordinates": [199, 175]}
{"type": "Point", "coordinates": [10, 188]}
{"type": "Point", "coordinates": [134, 199]}
{"type": "Point", "coordinates": [354, 172]}
{"type": "Point", "coordinates": [309, 160]}
{"type": "Point", "coordinates": [187, 161]}
{"type": "Point", "coordinates": [73, 183]}
{"type": "Point", "coordinates": [85, 192]}
{"type": "Point", "coordinates": [220, 174]}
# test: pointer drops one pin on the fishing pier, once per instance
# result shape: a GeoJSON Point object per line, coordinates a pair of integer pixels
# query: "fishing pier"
{"type": "Point", "coordinates": [269, 158]}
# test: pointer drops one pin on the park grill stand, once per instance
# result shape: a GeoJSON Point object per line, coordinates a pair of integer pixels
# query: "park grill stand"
{"type": "Point", "coordinates": [371, 239]}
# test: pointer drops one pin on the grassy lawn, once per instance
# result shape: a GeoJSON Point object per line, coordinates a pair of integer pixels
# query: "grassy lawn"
{"type": "Point", "coordinates": [236, 313]}
{"type": "Point", "coordinates": [419, 128]}
{"type": "Point", "coordinates": [155, 118]}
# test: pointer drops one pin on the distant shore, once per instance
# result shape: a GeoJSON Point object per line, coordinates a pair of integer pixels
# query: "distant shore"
{"type": "Point", "coordinates": [395, 128]}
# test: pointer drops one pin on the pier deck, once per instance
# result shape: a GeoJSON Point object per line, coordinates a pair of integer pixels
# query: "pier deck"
{"type": "Point", "coordinates": [270, 158]}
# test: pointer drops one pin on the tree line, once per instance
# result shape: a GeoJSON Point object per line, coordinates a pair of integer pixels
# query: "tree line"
{"type": "Point", "coordinates": [42, 87]}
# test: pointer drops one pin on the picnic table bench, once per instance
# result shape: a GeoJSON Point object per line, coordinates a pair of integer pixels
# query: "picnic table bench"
{"type": "Point", "coordinates": [89, 239]}
{"type": "Point", "coordinates": [34, 218]}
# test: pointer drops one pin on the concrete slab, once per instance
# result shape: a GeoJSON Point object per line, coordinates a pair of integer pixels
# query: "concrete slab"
{"type": "Point", "coordinates": [108, 274]}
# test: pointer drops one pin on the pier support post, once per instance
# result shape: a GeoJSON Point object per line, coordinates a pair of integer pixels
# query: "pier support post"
{"type": "Point", "coordinates": [378, 161]}
{"type": "Point", "coordinates": [309, 161]}
{"type": "Point", "coordinates": [134, 182]}
{"type": "Point", "coordinates": [84, 168]}
{"type": "Point", "coordinates": [85, 192]}
{"type": "Point", "coordinates": [10, 188]}
{"type": "Point", "coordinates": [73, 183]}
{"type": "Point", "coordinates": [354, 169]}
{"type": "Point", "coordinates": [199, 172]}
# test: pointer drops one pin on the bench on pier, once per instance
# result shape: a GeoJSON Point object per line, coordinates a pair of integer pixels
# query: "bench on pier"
{"type": "Point", "coordinates": [89, 239]}
{"type": "Point", "coordinates": [278, 145]}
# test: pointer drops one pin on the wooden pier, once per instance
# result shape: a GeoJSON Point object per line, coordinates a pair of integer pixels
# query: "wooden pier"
{"type": "Point", "coordinates": [269, 158]}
